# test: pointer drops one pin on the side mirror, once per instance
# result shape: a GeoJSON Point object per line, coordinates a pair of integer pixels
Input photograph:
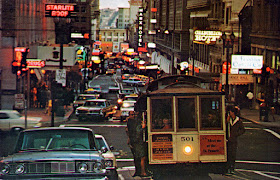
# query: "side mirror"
{"type": "Point", "coordinates": [112, 148]}
{"type": "Point", "coordinates": [104, 149]}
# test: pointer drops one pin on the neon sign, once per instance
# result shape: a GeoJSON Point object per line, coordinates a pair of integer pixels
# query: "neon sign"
{"type": "Point", "coordinates": [140, 27]}
{"type": "Point", "coordinates": [207, 36]}
{"type": "Point", "coordinates": [35, 63]}
{"type": "Point", "coordinates": [60, 10]}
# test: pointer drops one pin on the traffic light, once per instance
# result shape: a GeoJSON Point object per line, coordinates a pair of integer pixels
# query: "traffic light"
{"type": "Point", "coordinates": [23, 60]}
{"type": "Point", "coordinates": [265, 73]}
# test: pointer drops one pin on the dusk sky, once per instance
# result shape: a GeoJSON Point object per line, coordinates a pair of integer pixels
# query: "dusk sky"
{"type": "Point", "coordinates": [113, 4]}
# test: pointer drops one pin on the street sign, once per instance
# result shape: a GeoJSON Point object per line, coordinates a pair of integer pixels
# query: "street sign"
{"type": "Point", "coordinates": [19, 101]}
{"type": "Point", "coordinates": [61, 76]}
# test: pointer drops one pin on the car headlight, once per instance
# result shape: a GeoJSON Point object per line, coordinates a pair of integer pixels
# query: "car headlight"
{"type": "Point", "coordinates": [98, 168]}
{"type": "Point", "coordinates": [82, 167]}
{"type": "Point", "coordinates": [109, 163]}
{"type": "Point", "coordinates": [20, 169]}
{"type": "Point", "coordinates": [5, 169]}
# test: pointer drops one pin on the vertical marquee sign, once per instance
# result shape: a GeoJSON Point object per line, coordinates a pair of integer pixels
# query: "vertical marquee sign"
{"type": "Point", "coordinates": [140, 27]}
{"type": "Point", "coordinates": [64, 10]}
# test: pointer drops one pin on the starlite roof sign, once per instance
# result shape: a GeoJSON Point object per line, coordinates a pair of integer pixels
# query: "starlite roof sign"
{"type": "Point", "coordinates": [247, 61]}
{"type": "Point", "coordinates": [66, 10]}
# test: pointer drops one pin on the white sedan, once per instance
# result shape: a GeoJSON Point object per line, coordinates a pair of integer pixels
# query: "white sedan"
{"type": "Point", "coordinates": [134, 82]}
{"type": "Point", "coordinates": [11, 120]}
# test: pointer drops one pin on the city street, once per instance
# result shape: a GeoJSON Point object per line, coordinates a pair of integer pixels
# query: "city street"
{"type": "Point", "coordinates": [258, 153]}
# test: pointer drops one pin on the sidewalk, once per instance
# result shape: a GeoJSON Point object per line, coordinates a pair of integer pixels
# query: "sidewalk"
{"type": "Point", "coordinates": [253, 116]}
{"type": "Point", "coordinates": [46, 118]}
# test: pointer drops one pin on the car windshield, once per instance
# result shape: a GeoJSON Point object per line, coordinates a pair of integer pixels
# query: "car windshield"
{"type": "Point", "coordinates": [94, 104]}
{"type": "Point", "coordinates": [44, 140]}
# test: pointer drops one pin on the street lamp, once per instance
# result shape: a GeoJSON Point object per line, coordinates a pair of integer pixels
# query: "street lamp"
{"type": "Point", "coordinates": [228, 44]}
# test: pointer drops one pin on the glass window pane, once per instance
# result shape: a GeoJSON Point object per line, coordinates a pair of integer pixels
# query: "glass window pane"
{"type": "Point", "coordinates": [186, 112]}
{"type": "Point", "coordinates": [162, 114]}
{"type": "Point", "coordinates": [211, 115]}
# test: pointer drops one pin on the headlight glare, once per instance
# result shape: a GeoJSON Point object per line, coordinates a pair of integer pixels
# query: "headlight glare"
{"type": "Point", "coordinates": [82, 167]}
{"type": "Point", "coordinates": [20, 169]}
{"type": "Point", "coordinates": [188, 149]}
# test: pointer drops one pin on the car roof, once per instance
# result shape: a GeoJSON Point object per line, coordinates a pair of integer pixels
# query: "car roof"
{"type": "Point", "coordinates": [9, 111]}
{"type": "Point", "coordinates": [99, 100]}
{"type": "Point", "coordinates": [58, 128]}
{"type": "Point", "coordinates": [131, 95]}
{"type": "Point", "coordinates": [88, 94]}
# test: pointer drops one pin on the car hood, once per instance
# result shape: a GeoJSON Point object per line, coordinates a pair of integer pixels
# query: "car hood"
{"type": "Point", "coordinates": [53, 155]}
{"type": "Point", "coordinates": [89, 108]}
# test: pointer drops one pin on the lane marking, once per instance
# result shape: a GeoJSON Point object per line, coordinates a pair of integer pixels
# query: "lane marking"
{"type": "Point", "coordinates": [258, 162]}
{"type": "Point", "coordinates": [273, 133]}
{"type": "Point", "coordinates": [266, 175]}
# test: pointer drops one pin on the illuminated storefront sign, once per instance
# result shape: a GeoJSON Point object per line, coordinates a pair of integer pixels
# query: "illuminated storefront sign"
{"type": "Point", "coordinates": [247, 61]}
{"type": "Point", "coordinates": [140, 27]}
{"type": "Point", "coordinates": [35, 63]}
{"type": "Point", "coordinates": [60, 10]}
{"type": "Point", "coordinates": [207, 37]}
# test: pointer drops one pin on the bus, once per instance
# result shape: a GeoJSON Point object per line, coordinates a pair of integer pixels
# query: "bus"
{"type": "Point", "coordinates": [186, 130]}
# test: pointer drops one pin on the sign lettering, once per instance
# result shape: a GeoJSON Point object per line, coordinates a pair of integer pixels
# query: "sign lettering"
{"type": "Point", "coordinates": [162, 147]}
{"type": "Point", "coordinates": [212, 145]}
{"type": "Point", "coordinates": [60, 10]}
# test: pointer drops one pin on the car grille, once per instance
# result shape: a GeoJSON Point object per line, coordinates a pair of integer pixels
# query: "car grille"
{"type": "Point", "coordinates": [82, 111]}
{"type": "Point", "coordinates": [47, 167]}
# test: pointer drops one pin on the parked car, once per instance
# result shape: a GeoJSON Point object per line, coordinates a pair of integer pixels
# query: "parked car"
{"type": "Point", "coordinates": [126, 107]}
{"type": "Point", "coordinates": [11, 120]}
{"type": "Point", "coordinates": [110, 158]}
{"type": "Point", "coordinates": [134, 81]}
{"type": "Point", "coordinates": [81, 99]}
{"type": "Point", "coordinates": [94, 109]}
{"type": "Point", "coordinates": [54, 153]}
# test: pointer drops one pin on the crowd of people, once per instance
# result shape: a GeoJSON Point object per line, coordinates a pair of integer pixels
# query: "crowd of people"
{"type": "Point", "coordinates": [40, 96]}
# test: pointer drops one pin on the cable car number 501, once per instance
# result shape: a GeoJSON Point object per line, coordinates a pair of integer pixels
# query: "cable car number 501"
{"type": "Point", "coordinates": [186, 138]}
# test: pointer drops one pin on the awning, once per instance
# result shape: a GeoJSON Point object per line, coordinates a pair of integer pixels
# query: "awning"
{"type": "Point", "coordinates": [237, 79]}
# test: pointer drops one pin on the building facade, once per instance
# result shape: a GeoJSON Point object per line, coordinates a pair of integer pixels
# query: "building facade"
{"type": "Point", "coordinates": [23, 24]}
{"type": "Point", "coordinates": [123, 18]}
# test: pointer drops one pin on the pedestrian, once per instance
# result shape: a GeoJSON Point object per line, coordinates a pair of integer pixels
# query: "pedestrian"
{"type": "Point", "coordinates": [236, 128]}
{"type": "Point", "coordinates": [136, 130]}
{"type": "Point", "coordinates": [250, 97]}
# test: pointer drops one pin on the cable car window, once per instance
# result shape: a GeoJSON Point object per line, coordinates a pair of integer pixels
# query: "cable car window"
{"type": "Point", "coordinates": [186, 113]}
{"type": "Point", "coordinates": [161, 114]}
{"type": "Point", "coordinates": [211, 115]}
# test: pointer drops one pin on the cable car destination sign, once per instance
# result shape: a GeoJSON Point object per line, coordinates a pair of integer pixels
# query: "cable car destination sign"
{"type": "Point", "coordinates": [65, 10]}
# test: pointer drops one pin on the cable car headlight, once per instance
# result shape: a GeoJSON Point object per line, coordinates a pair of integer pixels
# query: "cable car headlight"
{"type": "Point", "coordinates": [188, 149]}
{"type": "Point", "coordinates": [20, 169]}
